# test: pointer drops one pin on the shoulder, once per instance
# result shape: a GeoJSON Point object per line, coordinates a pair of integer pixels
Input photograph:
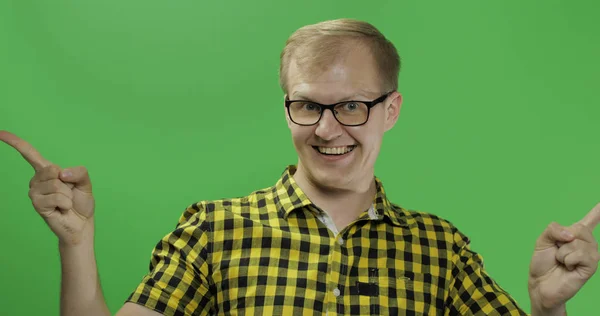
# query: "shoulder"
{"type": "Point", "coordinates": [255, 205]}
{"type": "Point", "coordinates": [423, 220]}
{"type": "Point", "coordinates": [429, 225]}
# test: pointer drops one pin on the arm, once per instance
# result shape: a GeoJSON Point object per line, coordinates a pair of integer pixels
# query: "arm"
{"type": "Point", "coordinates": [472, 290]}
{"type": "Point", "coordinates": [64, 199]}
{"type": "Point", "coordinates": [80, 285]}
{"type": "Point", "coordinates": [564, 259]}
{"type": "Point", "coordinates": [81, 293]}
{"type": "Point", "coordinates": [179, 281]}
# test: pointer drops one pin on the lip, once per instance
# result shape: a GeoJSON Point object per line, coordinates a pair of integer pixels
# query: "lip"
{"type": "Point", "coordinates": [331, 158]}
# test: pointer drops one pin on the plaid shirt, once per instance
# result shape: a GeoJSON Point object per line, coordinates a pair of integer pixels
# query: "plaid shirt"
{"type": "Point", "coordinates": [273, 253]}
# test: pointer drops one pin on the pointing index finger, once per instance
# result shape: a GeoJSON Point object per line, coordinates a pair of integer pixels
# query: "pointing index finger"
{"type": "Point", "coordinates": [592, 219]}
{"type": "Point", "coordinates": [30, 154]}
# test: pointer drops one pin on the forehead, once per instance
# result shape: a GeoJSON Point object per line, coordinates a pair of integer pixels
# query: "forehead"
{"type": "Point", "coordinates": [352, 74]}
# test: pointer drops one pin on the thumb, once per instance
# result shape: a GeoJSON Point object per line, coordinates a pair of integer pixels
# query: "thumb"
{"type": "Point", "coordinates": [79, 177]}
{"type": "Point", "coordinates": [553, 235]}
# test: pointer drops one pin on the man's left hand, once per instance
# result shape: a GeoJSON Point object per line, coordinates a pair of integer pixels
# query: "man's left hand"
{"type": "Point", "coordinates": [563, 260]}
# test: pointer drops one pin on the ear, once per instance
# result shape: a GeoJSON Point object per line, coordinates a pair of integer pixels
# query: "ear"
{"type": "Point", "coordinates": [392, 110]}
{"type": "Point", "coordinates": [287, 116]}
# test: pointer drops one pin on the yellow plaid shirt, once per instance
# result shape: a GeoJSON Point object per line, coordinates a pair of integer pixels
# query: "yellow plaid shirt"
{"type": "Point", "coordinates": [273, 253]}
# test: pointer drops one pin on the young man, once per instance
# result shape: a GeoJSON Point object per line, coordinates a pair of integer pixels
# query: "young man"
{"type": "Point", "coordinates": [324, 239]}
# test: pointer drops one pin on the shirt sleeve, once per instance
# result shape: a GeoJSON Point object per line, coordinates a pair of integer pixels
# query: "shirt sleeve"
{"type": "Point", "coordinates": [178, 282]}
{"type": "Point", "coordinates": [472, 290]}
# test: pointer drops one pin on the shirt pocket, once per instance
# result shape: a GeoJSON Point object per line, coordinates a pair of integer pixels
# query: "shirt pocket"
{"type": "Point", "coordinates": [385, 291]}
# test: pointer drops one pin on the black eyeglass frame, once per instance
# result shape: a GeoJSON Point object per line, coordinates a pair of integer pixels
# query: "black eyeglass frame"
{"type": "Point", "coordinates": [330, 107]}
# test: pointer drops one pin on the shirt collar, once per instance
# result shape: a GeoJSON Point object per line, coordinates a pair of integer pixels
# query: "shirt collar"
{"type": "Point", "coordinates": [289, 197]}
{"type": "Point", "coordinates": [287, 194]}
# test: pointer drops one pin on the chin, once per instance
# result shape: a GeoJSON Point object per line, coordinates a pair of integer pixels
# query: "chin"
{"type": "Point", "coordinates": [331, 178]}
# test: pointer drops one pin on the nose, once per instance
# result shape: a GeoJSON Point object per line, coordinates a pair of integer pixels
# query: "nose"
{"type": "Point", "coordinates": [328, 127]}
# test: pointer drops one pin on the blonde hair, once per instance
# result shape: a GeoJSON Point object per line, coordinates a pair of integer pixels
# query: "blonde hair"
{"type": "Point", "coordinates": [315, 47]}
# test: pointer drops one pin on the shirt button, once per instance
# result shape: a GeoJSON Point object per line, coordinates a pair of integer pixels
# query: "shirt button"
{"type": "Point", "coordinates": [336, 292]}
{"type": "Point", "coordinates": [341, 241]}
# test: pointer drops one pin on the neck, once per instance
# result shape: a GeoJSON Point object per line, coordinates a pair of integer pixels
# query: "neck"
{"type": "Point", "coordinates": [343, 205]}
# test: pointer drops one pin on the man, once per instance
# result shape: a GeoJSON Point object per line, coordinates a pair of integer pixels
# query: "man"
{"type": "Point", "coordinates": [324, 239]}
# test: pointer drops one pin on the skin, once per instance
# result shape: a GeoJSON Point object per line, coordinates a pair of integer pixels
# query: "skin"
{"type": "Point", "coordinates": [564, 259]}
{"type": "Point", "coordinates": [560, 266]}
{"type": "Point", "coordinates": [343, 188]}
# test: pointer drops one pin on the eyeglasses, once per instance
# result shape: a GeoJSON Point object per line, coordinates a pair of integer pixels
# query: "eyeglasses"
{"type": "Point", "coordinates": [347, 113]}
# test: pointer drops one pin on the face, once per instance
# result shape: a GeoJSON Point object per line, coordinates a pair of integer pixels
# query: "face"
{"type": "Point", "coordinates": [321, 148]}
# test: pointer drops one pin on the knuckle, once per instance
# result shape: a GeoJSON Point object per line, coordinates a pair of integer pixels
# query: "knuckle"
{"type": "Point", "coordinates": [67, 204]}
{"type": "Point", "coordinates": [36, 203]}
{"type": "Point", "coordinates": [50, 171]}
{"type": "Point", "coordinates": [57, 199]}
{"type": "Point", "coordinates": [56, 184]}
{"type": "Point", "coordinates": [555, 229]}
{"type": "Point", "coordinates": [571, 257]}
{"type": "Point", "coordinates": [577, 244]}
{"type": "Point", "coordinates": [84, 172]}
{"type": "Point", "coordinates": [68, 194]}
{"type": "Point", "coordinates": [578, 226]}
{"type": "Point", "coordinates": [581, 245]}
{"type": "Point", "coordinates": [61, 202]}
{"type": "Point", "coordinates": [583, 229]}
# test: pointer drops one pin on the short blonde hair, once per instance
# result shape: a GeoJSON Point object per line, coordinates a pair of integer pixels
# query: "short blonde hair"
{"type": "Point", "coordinates": [315, 47]}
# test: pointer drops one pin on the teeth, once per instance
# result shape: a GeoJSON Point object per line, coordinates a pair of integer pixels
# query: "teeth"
{"type": "Point", "coordinates": [335, 150]}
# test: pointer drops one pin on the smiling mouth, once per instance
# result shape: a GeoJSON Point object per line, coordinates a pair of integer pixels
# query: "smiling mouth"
{"type": "Point", "coordinates": [334, 151]}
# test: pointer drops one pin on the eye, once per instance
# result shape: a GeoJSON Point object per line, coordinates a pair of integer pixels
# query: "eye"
{"type": "Point", "coordinates": [351, 106]}
{"type": "Point", "coordinates": [311, 107]}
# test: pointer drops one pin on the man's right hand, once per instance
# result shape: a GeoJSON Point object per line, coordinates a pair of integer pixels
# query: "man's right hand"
{"type": "Point", "coordinates": [63, 197]}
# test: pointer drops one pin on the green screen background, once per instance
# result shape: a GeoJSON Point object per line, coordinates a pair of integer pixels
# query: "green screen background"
{"type": "Point", "coordinates": [172, 102]}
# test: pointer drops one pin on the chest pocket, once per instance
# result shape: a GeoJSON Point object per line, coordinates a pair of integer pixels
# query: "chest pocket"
{"type": "Point", "coordinates": [387, 291]}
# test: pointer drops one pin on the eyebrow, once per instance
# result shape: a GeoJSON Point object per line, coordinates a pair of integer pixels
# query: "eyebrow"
{"type": "Point", "coordinates": [350, 98]}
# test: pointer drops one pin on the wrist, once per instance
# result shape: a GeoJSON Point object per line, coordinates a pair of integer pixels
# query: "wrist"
{"type": "Point", "coordinates": [541, 306]}
{"type": "Point", "coordinates": [81, 241]}
{"type": "Point", "coordinates": [537, 310]}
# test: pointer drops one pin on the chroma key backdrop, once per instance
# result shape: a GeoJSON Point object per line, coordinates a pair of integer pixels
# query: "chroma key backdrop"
{"type": "Point", "coordinates": [172, 102]}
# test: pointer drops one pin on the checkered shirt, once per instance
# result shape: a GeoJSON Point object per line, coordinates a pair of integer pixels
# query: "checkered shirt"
{"type": "Point", "coordinates": [273, 253]}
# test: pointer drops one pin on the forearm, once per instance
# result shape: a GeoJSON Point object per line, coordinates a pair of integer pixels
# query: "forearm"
{"type": "Point", "coordinates": [81, 293]}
